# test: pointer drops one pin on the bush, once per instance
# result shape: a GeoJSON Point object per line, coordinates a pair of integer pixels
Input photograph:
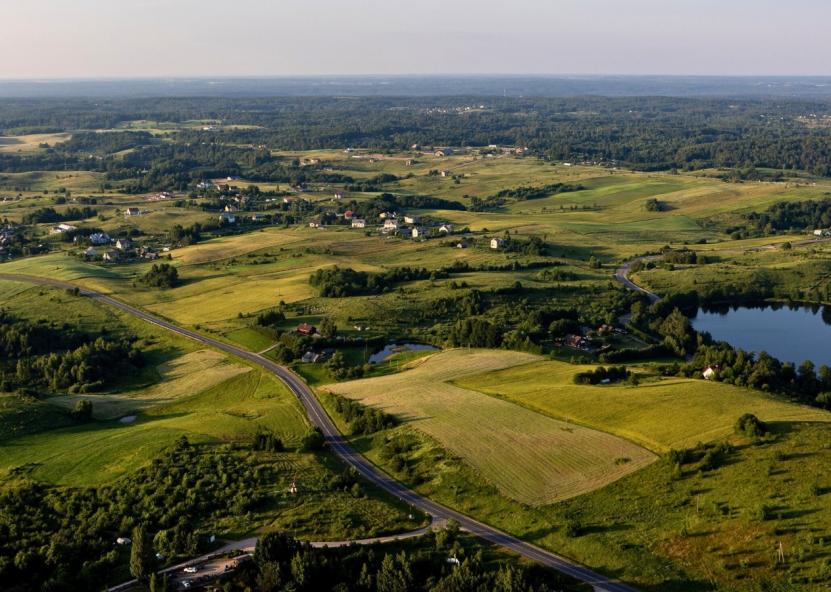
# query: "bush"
{"type": "Point", "coordinates": [161, 276]}
{"type": "Point", "coordinates": [82, 411]}
{"type": "Point", "coordinates": [750, 426]}
{"type": "Point", "coordinates": [313, 441]}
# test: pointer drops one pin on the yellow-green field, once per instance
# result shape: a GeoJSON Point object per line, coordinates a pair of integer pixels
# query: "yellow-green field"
{"type": "Point", "coordinates": [528, 456]}
{"type": "Point", "coordinates": [30, 142]}
{"type": "Point", "coordinates": [661, 414]}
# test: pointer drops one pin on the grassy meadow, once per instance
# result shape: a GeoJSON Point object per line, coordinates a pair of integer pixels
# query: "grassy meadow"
{"type": "Point", "coordinates": [659, 413]}
{"type": "Point", "coordinates": [182, 391]}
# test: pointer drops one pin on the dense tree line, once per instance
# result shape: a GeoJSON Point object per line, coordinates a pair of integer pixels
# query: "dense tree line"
{"type": "Point", "coordinates": [526, 193]}
{"type": "Point", "coordinates": [786, 216]}
{"type": "Point", "coordinates": [361, 419]}
{"type": "Point", "coordinates": [283, 563]}
{"type": "Point", "coordinates": [60, 358]}
{"type": "Point", "coordinates": [108, 143]}
{"type": "Point", "coordinates": [50, 215]}
{"type": "Point", "coordinates": [337, 282]}
{"type": "Point", "coordinates": [602, 374]}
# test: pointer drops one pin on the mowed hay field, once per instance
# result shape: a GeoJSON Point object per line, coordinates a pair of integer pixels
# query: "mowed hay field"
{"type": "Point", "coordinates": [661, 414]}
{"type": "Point", "coordinates": [529, 457]}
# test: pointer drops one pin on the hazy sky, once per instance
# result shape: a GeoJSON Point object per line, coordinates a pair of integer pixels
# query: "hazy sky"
{"type": "Point", "coordinates": [115, 38]}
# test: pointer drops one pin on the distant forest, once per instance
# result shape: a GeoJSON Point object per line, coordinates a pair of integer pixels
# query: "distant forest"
{"type": "Point", "coordinates": [644, 133]}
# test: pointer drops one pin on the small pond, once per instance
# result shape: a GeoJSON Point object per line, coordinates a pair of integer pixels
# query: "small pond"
{"type": "Point", "coordinates": [790, 333]}
{"type": "Point", "coordinates": [395, 348]}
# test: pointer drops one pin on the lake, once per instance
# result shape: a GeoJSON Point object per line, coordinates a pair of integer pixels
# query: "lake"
{"type": "Point", "coordinates": [790, 333]}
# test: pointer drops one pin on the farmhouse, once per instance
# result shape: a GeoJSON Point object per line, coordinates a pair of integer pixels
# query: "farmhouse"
{"type": "Point", "coordinates": [258, 217]}
{"type": "Point", "coordinates": [358, 223]}
{"type": "Point", "coordinates": [148, 253]}
{"type": "Point", "coordinates": [385, 215]}
{"type": "Point", "coordinates": [111, 255]}
{"type": "Point", "coordinates": [90, 252]}
{"type": "Point", "coordinates": [419, 232]}
{"type": "Point", "coordinates": [306, 329]}
{"type": "Point", "coordinates": [445, 173]}
{"type": "Point", "coordinates": [348, 214]}
{"type": "Point", "coordinates": [132, 212]}
{"type": "Point", "coordinates": [497, 243]}
{"type": "Point", "coordinates": [409, 162]}
{"type": "Point", "coordinates": [446, 229]}
{"type": "Point", "coordinates": [123, 244]}
{"type": "Point", "coordinates": [390, 224]}
{"type": "Point", "coordinates": [823, 232]}
{"type": "Point", "coordinates": [411, 219]}
{"type": "Point", "coordinates": [338, 195]}
{"type": "Point", "coordinates": [441, 152]}
{"type": "Point", "coordinates": [227, 218]}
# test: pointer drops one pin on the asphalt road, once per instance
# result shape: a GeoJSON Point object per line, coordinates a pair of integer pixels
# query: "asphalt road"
{"type": "Point", "coordinates": [622, 276]}
{"type": "Point", "coordinates": [340, 447]}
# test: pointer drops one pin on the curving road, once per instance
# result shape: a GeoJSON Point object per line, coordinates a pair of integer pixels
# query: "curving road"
{"type": "Point", "coordinates": [337, 444]}
{"type": "Point", "coordinates": [622, 276]}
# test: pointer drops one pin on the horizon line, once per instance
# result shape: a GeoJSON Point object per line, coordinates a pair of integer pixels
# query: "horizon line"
{"type": "Point", "coordinates": [163, 77]}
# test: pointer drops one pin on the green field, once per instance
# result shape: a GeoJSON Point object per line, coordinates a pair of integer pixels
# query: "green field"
{"type": "Point", "coordinates": [529, 457]}
{"type": "Point", "coordinates": [183, 390]}
{"type": "Point", "coordinates": [660, 413]}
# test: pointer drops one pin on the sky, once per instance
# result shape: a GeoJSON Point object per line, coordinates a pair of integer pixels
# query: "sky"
{"type": "Point", "coordinates": [179, 38]}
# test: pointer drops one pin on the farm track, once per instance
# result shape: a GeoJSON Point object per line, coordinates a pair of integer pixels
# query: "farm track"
{"type": "Point", "coordinates": [340, 446]}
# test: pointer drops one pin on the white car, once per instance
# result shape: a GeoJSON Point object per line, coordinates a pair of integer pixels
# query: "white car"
{"type": "Point", "coordinates": [191, 570]}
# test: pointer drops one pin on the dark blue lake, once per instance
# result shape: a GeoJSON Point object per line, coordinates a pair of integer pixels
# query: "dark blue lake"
{"type": "Point", "coordinates": [394, 348]}
{"type": "Point", "coordinates": [790, 333]}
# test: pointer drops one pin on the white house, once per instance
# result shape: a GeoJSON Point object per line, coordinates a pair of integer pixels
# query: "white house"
{"type": "Point", "coordinates": [443, 152]}
{"type": "Point", "coordinates": [99, 238]}
{"type": "Point", "coordinates": [123, 244]}
{"type": "Point", "coordinates": [227, 218]}
{"type": "Point", "coordinates": [132, 212]}
{"type": "Point", "coordinates": [111, 255]}
{"type": "Point", "coordinates": [358, 223]}
{"type": "Point", "coordinates": [497, 243]}
{"type": "Point", "coordinates": [446, 229]}
{"type": "Point", "coordinates": [390, 224]}
{"type": "Point", "coordinates": [418, 232]}
{"type": "Point", "coordinates": [411, 219]}
{"type": "Point", "coordinates": [61, 228]}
